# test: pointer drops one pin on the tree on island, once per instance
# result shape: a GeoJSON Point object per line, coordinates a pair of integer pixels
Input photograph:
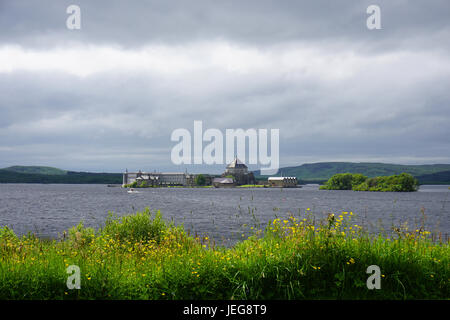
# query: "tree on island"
{"type": "Point", "coordinates": [397, 183]}
{"type": "Point", "coordinates": [200, 180]}
{"type": "Point", "coordinates": [344, 181]}
{"type": "Point", "coordinates": [357, 182]}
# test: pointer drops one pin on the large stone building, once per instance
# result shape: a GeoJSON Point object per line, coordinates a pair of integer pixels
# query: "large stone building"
{"type": "Point", "coordinates": [236, 171]}
{"type": "Point", "coordinates": [239, 172]}
{"type": "Point", "coordinates": [157, 179]}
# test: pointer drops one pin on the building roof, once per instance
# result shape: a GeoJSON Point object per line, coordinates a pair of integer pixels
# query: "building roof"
{"type": "Point", "coordinates": [223, 180]}
{"type": "Point", "coordinates": [147, 177]}
{"type": "Point", "coordinates": [236, 163]}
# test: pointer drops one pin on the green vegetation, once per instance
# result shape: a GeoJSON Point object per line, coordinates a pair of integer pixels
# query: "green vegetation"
{"type": "Point", "coordinates": [200, 180]}
{"type": "Point", "coordinates": [7, 176]}
{"type": "Point", "coordinates": [346, 181]}
{"type": "Point", "coordinates": [403, 182]}
{"type": "Point", "coordinates": [143, 185]}
{"type": "Point", "coordinates": [322, 171]}
{"type": "Point", "coordinates": [143, 257]}
{"type": "Point", "coordinates": [208, 186]}
{"type": "Point", "coordinates": [252, 186]}
{"type": "Point", "coordinates": [134, 184]}
{"type": "Point", "coordinates": [435, 178]}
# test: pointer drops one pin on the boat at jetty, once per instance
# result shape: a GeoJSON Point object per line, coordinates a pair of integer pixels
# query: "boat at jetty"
{"type": "Point", "coordinates": [132, 191]}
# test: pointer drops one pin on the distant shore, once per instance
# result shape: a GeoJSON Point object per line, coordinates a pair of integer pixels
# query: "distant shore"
{"type": "Point", "coordinates": [432, 174]}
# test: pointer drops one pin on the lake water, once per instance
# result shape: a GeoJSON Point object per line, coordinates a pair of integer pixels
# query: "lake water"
{"type": "Point", "coordinates": [223, 214]}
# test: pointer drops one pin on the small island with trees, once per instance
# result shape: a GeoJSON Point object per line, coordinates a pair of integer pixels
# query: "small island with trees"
{"type": "Point", "coordinates": [403, 182]}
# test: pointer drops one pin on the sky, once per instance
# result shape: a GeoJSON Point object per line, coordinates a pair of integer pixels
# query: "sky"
{"type": "Point", "coordinates": [107, 97]}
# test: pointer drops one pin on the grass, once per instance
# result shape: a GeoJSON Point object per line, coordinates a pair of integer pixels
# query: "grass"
{"type": "Point", "coordinates": [253, 186]}
{"type": "Point", "coordinates": [162, 186]}
{"type": "Point", "coordinates": [141, 256]}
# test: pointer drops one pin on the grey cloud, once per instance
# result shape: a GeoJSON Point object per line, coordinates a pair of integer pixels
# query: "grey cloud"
{"type": "Point", "coordinates": [99, 116]}
{"type": "Point", "coordinates": [133, 24]}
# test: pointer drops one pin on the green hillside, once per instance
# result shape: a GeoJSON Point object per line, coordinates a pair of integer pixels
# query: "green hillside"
{"type": "Point", "coordinates": [70, 177]}
{"type": "Point", "coordinates": [322, 171]}
{"type": "Point", "coordinates": [442, 177]}
{"type": "Point", "coordinates": [36, 170]}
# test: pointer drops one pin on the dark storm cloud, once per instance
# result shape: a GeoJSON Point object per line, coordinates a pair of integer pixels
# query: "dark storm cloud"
{"type": "Point", "coordinates": [135, 23]}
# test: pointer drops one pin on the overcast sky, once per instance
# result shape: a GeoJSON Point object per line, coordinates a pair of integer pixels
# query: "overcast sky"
{"type": "Point", "coordinates": [108, 96]}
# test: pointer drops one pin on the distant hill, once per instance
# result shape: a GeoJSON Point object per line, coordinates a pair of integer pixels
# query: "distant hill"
{"type": "Point", "coordinates": [58, 176]}
{"type": "Point", "coordinates": [322, 171]}
{"type": "Point", "coordinates": [36, 170]}
{"type": "Point", "coordinates": [442, 177]}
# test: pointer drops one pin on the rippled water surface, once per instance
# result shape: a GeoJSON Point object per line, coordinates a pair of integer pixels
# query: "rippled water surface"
{"type": "Point", "coordinates": [48, 209]}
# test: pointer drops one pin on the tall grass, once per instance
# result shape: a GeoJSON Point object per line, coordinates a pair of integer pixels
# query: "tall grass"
{"type": "Point", "coordinates": [141, 256]}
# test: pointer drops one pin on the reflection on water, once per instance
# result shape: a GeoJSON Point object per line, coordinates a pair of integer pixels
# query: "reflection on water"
{"type": "Point", "coordinates": [224, 214]}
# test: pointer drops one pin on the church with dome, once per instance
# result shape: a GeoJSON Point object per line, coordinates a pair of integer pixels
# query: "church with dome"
{"type": "Point", "coordinates": [239, 172]}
